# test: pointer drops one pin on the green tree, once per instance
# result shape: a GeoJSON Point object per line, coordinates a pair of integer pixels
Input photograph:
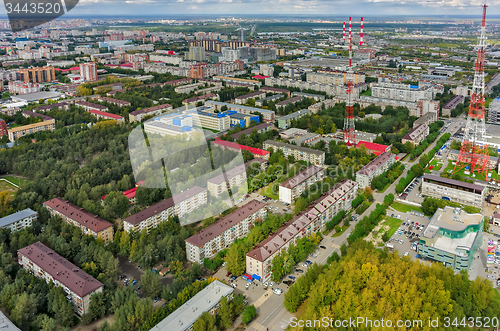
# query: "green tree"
{"type": "Point", "coordinates": [248, 314]}
{"type": "Point", "coordinates": [226, 314]}
{"type": "Point", "coordinates": [206, 322]}
{"type": "Point", "coordinates": [235, 259]}
{"type": "Point", "coordinates": [24, 310]}
{"type": "Point", "coordinates": [151, 283]}
{"type": "Point", "coordinates": [97, 307]}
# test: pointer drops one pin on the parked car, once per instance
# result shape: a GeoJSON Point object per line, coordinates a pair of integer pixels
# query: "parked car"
{"type": "Point", "coordinates": [406, 253]}
{"type": "Point", "coordinates": [308, 262]}
{"type": "Point", "coordinates": [322, 247]}
{"type": "Point", "coordinates": [291, 277]}
{"type": "Point", "coordinates": [304, 265]}
{"type": "Point", "coordinates": [228, 274]}
{"type": "Point", "coordinates": [277, 291]}
{"type": "Point", "coordinates": [300, 271]}
{"type": "Point", "coordinates": [134, 282]}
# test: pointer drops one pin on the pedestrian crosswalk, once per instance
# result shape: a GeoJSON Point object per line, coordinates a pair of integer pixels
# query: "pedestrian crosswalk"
{"type": "Point", "coordinates": [257, 326]}
{"type": "Point", "coordinates": [336, 246]}
{"type": "Point", "coordinates": [262, 299]}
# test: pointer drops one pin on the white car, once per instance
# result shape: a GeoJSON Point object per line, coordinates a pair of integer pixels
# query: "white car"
{"type": "Point", "coordinates": [233, 285]}
{"type": "Point", "coordinates": [266, 284]}
{"type": "Point", "coordinates": [277, 291]}
{"type": "Point", "coordinates": [304, 265]}
{"type": "Point", "coordinates": [406, 254]}
{"type": "Point", "coordinates": [272, 284]}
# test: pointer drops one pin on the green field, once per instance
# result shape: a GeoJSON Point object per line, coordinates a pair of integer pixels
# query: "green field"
{"type": "Point", "coordinates": [6, 184]}
{"type": "Point", "coordinates": [268, 191]}
{"type": "Point", "coordinates": [449, 169]}
{"type": "Point", "coordinates": [401, 207]}
{"type": "Point", "coordinates": [393, 224]}
{"type": "Point", "coordinates": [436, 165]}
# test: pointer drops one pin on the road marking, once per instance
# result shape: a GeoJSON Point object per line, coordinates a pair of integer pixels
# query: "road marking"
{"type": "Point", "coordinates": [336, 246]}
{"type": "Point", "coordinates": [262, 299]}
{"type": "Point", "coordinates": [259, 327]}
{"type": "Point", "coordinates": [284, 323]}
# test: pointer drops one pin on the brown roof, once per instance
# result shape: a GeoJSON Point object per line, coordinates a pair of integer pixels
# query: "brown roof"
{"type": "Point", "coordinates": [291, 100]}
{"type": "Point", "coordinates": [77, 214]}
{"type": "Point", "coordinates": [301, 176]}
{"type": "Point", "coordinates": [274, 89]}
{"type": "Point", "coordinates": [419, 130]}
{"type": "Point", "coordinates": [151, 109]}
{"type": "Point", "coordinates": [250, 95]}
{"type": "Point", "coordinates": [246, 132]}
{"type": "Point", "coordinates": [228, 174]}
{"type": "Point", "coordinates": [476, 188]}
{"type": "Point", "coordinates": [376, 163]}
{"type": "Point", "coordinates": [163, 205]}
{"type": "Point", "coordinates": [65, 272]}
{"type": "Point", "coordinates": [90, 104]}
{"type": "Point", "coordinates": [225, 223]}
{"type": "Point", "coordinates": [200, 97]}
{"type": "Point", "coordinates": [115, 101]}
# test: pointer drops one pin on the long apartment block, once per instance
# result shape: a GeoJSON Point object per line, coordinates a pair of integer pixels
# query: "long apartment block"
{"type": "Point", "coordinates": [18, 221]}
{"type": "Point", "coordinates": [453, 190]}
{"type": "Point", "coordinates": [221, 234]}
{"type": "Point", "coordinates": [179, 204]}
{"type": "Point", "coordinates": [21, 131]}
{"type": "Point", "coordinates": [313, 156]}
{"type": "Point", "coordinates": [233, 177]}
{"type": "Point", "coordinates": [376, 167]}
{"type": "Point", "coordinates": [294, 186]}
{"type": "Point", "coordinates": [312, 220]}
{"type": "Point", "coordinates": [42, 262]}
{"type": "Point", "coordinates": [87, 222]}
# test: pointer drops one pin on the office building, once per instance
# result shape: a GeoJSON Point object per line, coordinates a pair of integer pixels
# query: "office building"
{"type": "Point", "coordinates": [312, 220]}
{"type": "Point", "coordinates": [207, 300]}
{"type": "Point", "coordinates": [296, 185]}
{"type": "Point", "coordinates": [452, 104]}
{"type": "Point", "coordinates": [179, 204]}
{"type": "Point", "coordinates": [205, 118]}
{"type": "Point", "coordinates": [313, 156]}
{"type": "Point", "coordinates": [256, 152]}
{"type": "Point", "coordinates": [416, 135]}
{"type": "Point", "coordinates": [3, 128]}
{"type": "Point", "coordinates": [452, 237]}
{"type": "Point", "coordinates": [18, 221]}
{"type": "Point", "coordinates": [37, 75]}
{"type": "Point", "coordinates": [18, 87]}
{"type": "Point", "coordinates": [88, 223]}
{"type": "Point", "coordinates": [163, 128]}
{"type": "Point", "coordinates": [140, 114]}
{"type": "Point", "coordinates": [88, 71]}
{"type": "Point", "coordinates": [220, 235]}
{"type": "Point", "coordinates": [284, 122]}
{"type": "Point", "coordinates": [42, 262]}
{"type": "Point", "coordinates": [376, 167]}
{"type": "Point", "coordinates": [21, 131]}
{"type": "Point", "coordinates": [88, 106]}
{"type": "Point", "coordinates": [102, 115]}
{"type": "Point", "coordinates": [267, 115]}
{"type": "Point", "coordinates": [453, 190]}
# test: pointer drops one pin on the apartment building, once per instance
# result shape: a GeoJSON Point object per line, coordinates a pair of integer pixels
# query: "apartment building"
{"type": "Point", "coordinates": [207, 300]}
{"type": "Point", "coordinates": [316, 97]}
{"type": "Point", "coordinates": [452, 237]}
{"type": "Point", "coordinates": [218, 185]}
{"type": "Point", "coordinates": [416, 135]}
{"type": "Point", "coordinates": [221, 234]}
{"type": "Point", "coordinates": [88, 71]}
{"type": "Point", "coordinates": [300, 153]}
{"type": "Point", "coordinates": [284, 122]}
{"type": "Point", "coordinates": [404, 92]}
{"type": "Point", "coordinates": [259, 128]}
{"type": "Point", "coordinates": [18, 87]}
{"type": "Point", "coordinates": [426, 119]}
{"type": "Point", "coordinates": [230, 80]}
{"type": "Point", "coordinates": [3, 128]}
{"type": "Point", "coordinates": [312, 220]}
{"type": "Point", "coordinates": [267, 115]}
{"type": "Point", "coordinates": [179, 204]}
{"type": "Point", "coordinates": [102, 115]}
{"type": "Point", "coordinates": [424, 107]}
{"type": "Point", "coordinates": [287, 102]}
{"type": "Point", "coordinates": [242, 99]}
{"type": "Point", "coordinates": [200, 98]}
{"type": "Point", "coordinates": [138, 115]}
{"type": "Point", "coordinates": [376, 167]}
{"type": "Point", "coordinates": [37, 75]}
{"type": "Point", "coordinates": [28, 113]}
{"type": "Point", "coordinates": [256, 152]}
{"type": "Point", "coordinates": [452, 104]}
{"type": "Point", "coordinates": [294, 186]}
{"type": "Point", "coordinates": [88, 223]}
{"type": "Point", "coordinates": [117, 102]}
{"type": "Point", "coordinates": [19, 220]}
{"type": "Point", "coordinates": [88, 106]}
{"type": "Point", "coordinates": [332, 79]}
{"type": "Point", "coordinates": [195, 86]}
{"type": "Point", "coordinates": [453, 190]}
{"type": "Point", "coordinates": [493, 111]}
{"type": "Point", "coordinates": [359, 77]}
{"type": "Point", "coordinates": [21, 131]}
{"type": "Point", "coordinates": [58, 106]}
{"type": "Point", "coordinates": [42, 262]}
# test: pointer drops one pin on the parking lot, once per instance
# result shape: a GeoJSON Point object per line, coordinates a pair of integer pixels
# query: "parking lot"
{"type": "Point", "coordinates": [274, 206]}
{"type": "Point", "coordinates": [412, 192]}
{"type": "Point", "coordinates": [407, 236]}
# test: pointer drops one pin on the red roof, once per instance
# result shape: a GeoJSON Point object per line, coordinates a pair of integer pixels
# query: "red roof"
{"type": "Point", "coordinates": [260, 77]}
{"type": "Point", "coordinates": [105, 114]}
{"type": "Point", "coordinates": [230, 144]}
{"type": "Point", "coordinates": [130, 193]}
{"type": "Point", "coordinates": [376, 149]}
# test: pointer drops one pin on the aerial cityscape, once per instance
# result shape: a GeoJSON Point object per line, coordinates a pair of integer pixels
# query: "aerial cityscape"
{"type": "Point", "coordinates": [249, 166]}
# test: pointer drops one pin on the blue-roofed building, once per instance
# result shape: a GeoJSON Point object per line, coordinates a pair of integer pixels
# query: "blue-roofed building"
{"type": "Point", "coordinates": [18, 221]}
{"type": "Point", "coordinates": [243, 120]}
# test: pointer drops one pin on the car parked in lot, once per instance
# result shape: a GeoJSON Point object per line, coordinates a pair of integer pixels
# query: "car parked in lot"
{"type": "Point", "coordinates": [304, 265]}
{"type": "Point", "coordinates": [277, 291]}
{"type": "Point", "coordinates": [134, 282]}
{"type": "Point", "coordinates": [406, 253]}
{"type": "Point", "coordinates": [322, 247]}
{"type": "Point", "coordinates": [308, 262]}
{"type": "Point", "coordinates": [300, 271]}
{"type": "Point", "coordinates": [291, 277]}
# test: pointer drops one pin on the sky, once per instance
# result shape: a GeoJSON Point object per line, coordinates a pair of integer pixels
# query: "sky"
{"type": "Point", "coordinates": [334, 8]}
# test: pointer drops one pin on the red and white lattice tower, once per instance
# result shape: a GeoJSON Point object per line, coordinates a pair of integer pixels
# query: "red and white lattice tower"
{"type": "Point", "coordinates": [349, 131]}
{"type": "Point", "coordinates": [343, 33]}
{"type": "Point", "coordinates": [473, 154]}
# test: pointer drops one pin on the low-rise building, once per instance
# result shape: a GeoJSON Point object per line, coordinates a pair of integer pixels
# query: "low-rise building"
{"type": "Point", "coordinates": [426, 119]}
{"type": "Point", "coordinates": [243, 120]}
{"type": "Point", "coordinates": [260, 128]}
{"type": "Point", "coordinates": [452, 104]}
{"type": "Point", "coordinates": [296, 185]}
{"type": "Point", "coordinates": [452, 237]}
{"type": "Point", "coordinates": [207, 300]}
{"type": "Point", "coordinates": [256, 152]}
{"type": "Point", "coordinates": [221, 234]}
{"type": "Point", "coordinates": [218, 185]}
{"type": "Point", "coordinates": [242, 99]}
{"type": "Point", "coordinates": [313, 156]}
{"type": "Point", "coordinates": [376, 167]}
{"type": "Point", "coordinates": [19, 220]}
{"type": "Point", "coordinates": [179, 204]}
{"type": "Point", "coordinates": [453, 190]}
{"type": "Point", "coordinates": [21, 131]}
{"type": "Point", "coordinates": [102, 115]}
{"type": "Point", "coordinates": [374, 148]}
{"type": "Point", "coordinates": [88, 106]}
{"type": "Point", "coordinates": [284, 122]}
{"type": "Point", "coordinates": [88, 223]}
{"type": "Point", "coordinates": [267, 115]}
{"type": "Point", "coordinates": [42, 262]}
{"type": "Point", "coordinates": [293, 133]}
{"type": "Point", "coordinates": [416, 135]}
{"type": "Point", "coordinates": [138, 115]}
{"type": "Point", "coordinates": [119, 103]}
{"type": "Point", "coordinates": [307, 138]}
{"type": "Point", "coordinates": [312, 220]}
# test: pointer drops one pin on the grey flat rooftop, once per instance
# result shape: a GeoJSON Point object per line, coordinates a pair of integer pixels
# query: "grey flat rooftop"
{"type": "Point", "coordinates": [449, 219]}
{"type": "Point", "coordinates": [451, 245]}
{"type": "Point", "coordinates": [29, 97]}
{"type": "Point", "coordinates": [185, 316]}
{"type": "Point", "coordinates": [6, 324]}
{"type": "Point", "coordinates": [7, 220]}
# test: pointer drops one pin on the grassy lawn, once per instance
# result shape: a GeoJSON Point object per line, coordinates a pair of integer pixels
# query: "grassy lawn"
{"type": "Point", "coordinates": [6, 186]}
{"type": "Point", "coordinates": [16, 180]}
{"type": "Point", "coordinates": [268, 191]}
{"type": "Point", "coordinates": [449, 169]}
{"type": "Point", "coordinates": [393, 224]}
{"type": "Point", "coordinates": [385, 188]}
{"type": "Point", "coordinates": [436, 165]}
{"type": "Point", "coordinates": [401, 207]}
{"type": "Point", "coordinates": [343, 230]}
